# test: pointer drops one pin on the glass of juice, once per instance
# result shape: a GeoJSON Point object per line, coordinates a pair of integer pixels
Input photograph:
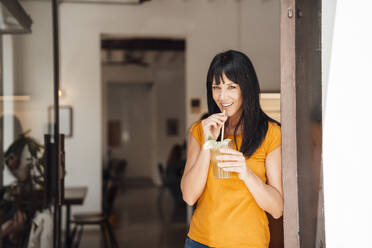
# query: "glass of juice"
{"type": "Point", "coordinates": [218, 172]}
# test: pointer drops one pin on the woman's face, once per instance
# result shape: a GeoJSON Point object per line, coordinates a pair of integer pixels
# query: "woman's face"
{"type": "Point", "coordinates": [227, 96]}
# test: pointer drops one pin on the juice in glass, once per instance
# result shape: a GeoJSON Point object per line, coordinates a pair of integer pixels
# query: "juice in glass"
{"type": "Point", "coordinates": [218, 172]}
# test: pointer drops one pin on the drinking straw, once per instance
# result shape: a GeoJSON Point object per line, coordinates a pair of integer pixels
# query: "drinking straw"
{"type": "Point", "coordinates": [223, 127]}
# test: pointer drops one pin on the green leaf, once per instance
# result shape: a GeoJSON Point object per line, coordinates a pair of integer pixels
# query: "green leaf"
{"type": "Point", "coordinates": [225, 142]}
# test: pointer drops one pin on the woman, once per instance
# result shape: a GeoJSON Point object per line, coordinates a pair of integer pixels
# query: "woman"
{"type": "Point", "coordinates": [231, 212]}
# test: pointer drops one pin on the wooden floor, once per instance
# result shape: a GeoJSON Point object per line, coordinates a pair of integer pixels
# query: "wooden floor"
{"type": "Point", "coordinates": [138, 222]}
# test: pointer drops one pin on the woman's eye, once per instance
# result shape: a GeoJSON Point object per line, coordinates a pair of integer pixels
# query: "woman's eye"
{"type": "Point", "coordinates": [215, 87]}
{"type": "Point", "coordinates": [232, 87]}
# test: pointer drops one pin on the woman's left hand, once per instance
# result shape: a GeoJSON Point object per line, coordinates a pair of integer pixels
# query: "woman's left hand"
{"type": "Point", "coordinates": [234, 161]}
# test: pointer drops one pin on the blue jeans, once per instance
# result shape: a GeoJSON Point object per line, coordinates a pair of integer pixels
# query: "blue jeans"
{"type": "Point", "coordinates": [189, 243]}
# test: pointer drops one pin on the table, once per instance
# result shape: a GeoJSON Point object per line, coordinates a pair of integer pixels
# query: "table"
{"type": "Point", "coordinates": [73, 196]}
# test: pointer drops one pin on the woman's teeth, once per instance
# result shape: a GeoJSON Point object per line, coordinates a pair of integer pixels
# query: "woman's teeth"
{"type": "Point", "coordinates": [226, 105]}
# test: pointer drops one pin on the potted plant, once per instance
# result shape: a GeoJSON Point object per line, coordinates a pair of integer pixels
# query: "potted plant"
{"type": "Point", "coordinates": [19, 201]}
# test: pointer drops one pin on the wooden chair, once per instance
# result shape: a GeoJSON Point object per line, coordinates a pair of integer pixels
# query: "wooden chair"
{"type": "Point", "coordinates": [101, 219]}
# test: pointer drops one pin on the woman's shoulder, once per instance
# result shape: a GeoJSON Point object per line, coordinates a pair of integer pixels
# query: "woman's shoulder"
{"type": "Point", "coordinates": [273, 130]}
{"type": "Point", "coordinates": [196, 124]}
{"type": "Point", "coordinates": [273, 136]}
{"type": "Point", "coordinates": [196, 131]}
{"type": "Point", "coordinates": [273, 126]}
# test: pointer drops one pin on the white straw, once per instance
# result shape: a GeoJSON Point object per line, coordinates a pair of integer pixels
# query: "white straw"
{"type": "Point", "coordinates": [223, 127]}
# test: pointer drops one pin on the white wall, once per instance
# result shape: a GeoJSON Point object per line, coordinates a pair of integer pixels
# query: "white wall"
{"type": "Point", "coordinates": [260, 36]}
{"type": "Point", "coordinates": [328, 18]}
{"type": "Point", "coordinates": [6, 107]}
{"type": "Point", "coordinates": [7, 90]}
{"type": "Point", "coordinates": [28, 71]}
{"type": "Point", "coordinates": [33, 70]}
{"type": "Point", "coordinates": [347, 136]}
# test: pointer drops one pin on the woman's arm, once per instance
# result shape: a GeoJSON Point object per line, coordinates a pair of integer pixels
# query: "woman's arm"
{"type": "Point", "coordinates": [268, 196]}
{"type": "Point", "coordinates": [197, 163]}
{"type": "Point", "coordinates": [195, 173]}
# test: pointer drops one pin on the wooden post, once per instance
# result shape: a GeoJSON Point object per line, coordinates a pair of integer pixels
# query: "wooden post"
{"type": "Point", "coordinates": [288, 120]}
{"type": "Point", "coordinates": [301, 108]}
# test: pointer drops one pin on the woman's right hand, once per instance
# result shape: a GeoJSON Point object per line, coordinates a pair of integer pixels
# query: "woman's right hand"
{"type": "Point", "coordinates": [212, 125]}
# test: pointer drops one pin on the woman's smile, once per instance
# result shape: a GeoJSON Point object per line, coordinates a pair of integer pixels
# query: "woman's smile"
{"type": "Point", "coordinates": [226, 105]}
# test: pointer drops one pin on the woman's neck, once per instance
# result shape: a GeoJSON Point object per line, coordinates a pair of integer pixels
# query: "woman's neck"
{"type": "Point", "coordinates": [232, 122]}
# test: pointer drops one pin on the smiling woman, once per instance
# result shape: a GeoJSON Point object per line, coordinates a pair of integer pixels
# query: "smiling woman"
{"type": "Point", "coordinates": [231, 212]}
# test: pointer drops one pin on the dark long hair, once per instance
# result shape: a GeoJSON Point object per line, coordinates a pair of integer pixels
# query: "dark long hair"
{"type": "Point", "coordinates": [238, 68]}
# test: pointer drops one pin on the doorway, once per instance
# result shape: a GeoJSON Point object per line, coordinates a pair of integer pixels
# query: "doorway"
{"type": "Point", "coordinates": [208, 27]}
{"type": "Point", "coordinates": [143, 81]}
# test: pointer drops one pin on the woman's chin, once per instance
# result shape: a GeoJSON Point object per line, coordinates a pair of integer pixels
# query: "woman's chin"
{"type": "Point", "coordinates": [228, 112]}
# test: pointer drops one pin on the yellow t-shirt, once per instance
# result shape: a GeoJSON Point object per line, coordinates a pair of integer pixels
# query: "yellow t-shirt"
{"type": "Point", "coordinates": [227, 215]}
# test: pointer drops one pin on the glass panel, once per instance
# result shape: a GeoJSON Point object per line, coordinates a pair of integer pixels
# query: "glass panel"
{"type": "Point", "coordinates": [26, 94]}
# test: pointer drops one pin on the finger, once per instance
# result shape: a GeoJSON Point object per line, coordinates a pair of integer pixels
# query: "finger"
{"type": "Point", "coordinates": [215, 125]}
{"type": "Point", "coordinates": [217, 120]}
{"type": "Point", "coordinates": [232, 169]}
{"type": "Point", "coordinates": [228, 158]}
{"type": "Point", "coordinates": [221, 114]}
{"type": "Point", "coordinates": [230, 151]}
{"type": "Point", "coordinates": [221, 117]}
{"type": "Point", "coordinates": [229, 164]}
{"type": "Point", "coordinates": [211, 123]}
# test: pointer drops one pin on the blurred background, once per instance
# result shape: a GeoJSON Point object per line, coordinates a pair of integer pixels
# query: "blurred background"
{"type": "Point", "coordinates": [132, 81]}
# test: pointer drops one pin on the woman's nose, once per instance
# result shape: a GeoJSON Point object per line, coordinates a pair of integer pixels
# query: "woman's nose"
{"type": "Point", "coordinates": [222, 94]}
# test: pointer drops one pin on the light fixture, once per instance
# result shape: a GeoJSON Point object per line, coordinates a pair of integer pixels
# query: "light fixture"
{"type": "Point", "coordinates": [61, 93]}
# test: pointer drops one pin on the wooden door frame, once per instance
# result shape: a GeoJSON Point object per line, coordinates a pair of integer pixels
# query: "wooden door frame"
{"type": "Point", "coordinates": [300, 49]}
{"type": "Point", "coordinates": [288, 120]}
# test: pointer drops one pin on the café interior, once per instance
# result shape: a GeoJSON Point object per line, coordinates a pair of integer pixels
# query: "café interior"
{"type": "Point", "coordinates": [96, 100]}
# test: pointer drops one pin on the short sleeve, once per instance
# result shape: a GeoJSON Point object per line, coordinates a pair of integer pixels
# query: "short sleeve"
{"type": "Point", "coordinates": [196, 131]}
{"type": "Point", "coordinates": [274, 136]}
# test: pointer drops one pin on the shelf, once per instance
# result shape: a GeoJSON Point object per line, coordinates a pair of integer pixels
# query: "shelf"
{"type": "Point", "coordinates": [14, 98]}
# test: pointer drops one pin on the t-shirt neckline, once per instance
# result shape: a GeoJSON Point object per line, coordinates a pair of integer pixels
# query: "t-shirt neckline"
{"type": "Point", "coordinates": [231, 135]}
